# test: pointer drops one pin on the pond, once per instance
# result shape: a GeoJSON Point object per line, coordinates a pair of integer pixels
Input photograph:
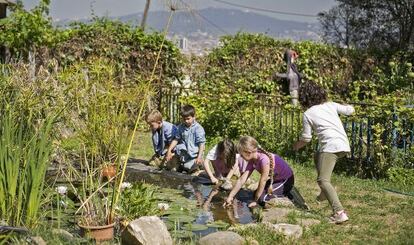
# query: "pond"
{"type": "Point", "coordinates": [196, 192]}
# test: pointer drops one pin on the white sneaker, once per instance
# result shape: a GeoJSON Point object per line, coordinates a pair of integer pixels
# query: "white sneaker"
{"type": "Point", "coordinates": [339, 217]}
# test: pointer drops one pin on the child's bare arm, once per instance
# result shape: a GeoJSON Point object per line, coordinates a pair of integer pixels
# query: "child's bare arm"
{"type": "Point", "coordinates": [199, 159]}
{"type": "Point", "coordinates": [213, 179]}
{"type": "Point", "coordinates": [170, 148]}
{"type": "Point", "coordinates": [299, 144]}
{"type": "Point", "coordinates": [240, 182]}
{"type": "Point", "coordinates": [262, 182]}
{"type": "Point", "coordinates": [232, 171]}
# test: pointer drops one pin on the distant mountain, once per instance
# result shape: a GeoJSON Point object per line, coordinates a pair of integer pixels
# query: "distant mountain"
{"type": "Point", "coordinates": [221, 21]}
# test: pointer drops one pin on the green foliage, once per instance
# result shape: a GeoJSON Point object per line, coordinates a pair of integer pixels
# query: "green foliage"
{"type": "Point", "coordinates": [137, 201]}
{"type": "Point", "coordinates": [25, 151]}
{"type": "Point", "coordinates": [402, 176]}
{"type": "Point", "coordinates": [25, 31]}
{"type": "Point", "coordinates": [132, 51]}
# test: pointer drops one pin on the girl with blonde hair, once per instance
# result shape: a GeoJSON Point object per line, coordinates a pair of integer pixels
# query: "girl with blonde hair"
{"type": "Point", "coordinates": [276, 177]}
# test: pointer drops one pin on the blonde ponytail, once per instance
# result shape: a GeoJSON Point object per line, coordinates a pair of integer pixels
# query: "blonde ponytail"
{"type": "Point", "coordinates": [271, 171]}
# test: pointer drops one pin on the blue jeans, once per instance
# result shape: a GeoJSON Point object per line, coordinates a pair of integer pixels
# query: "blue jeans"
{"type": "Point", "coordinates": [187, 162]}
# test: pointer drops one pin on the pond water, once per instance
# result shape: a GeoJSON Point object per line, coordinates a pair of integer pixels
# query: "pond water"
{"type": "Point", "coordinates": [207, 198]}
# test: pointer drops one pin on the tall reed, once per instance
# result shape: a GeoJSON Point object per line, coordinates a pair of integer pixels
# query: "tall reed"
{"type": "Point", "coordinates": [25, 149]}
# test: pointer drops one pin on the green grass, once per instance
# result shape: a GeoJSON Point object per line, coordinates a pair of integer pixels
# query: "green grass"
{"type": "Point", "coordinates": [142, 146]}
{"type": "Point", "coordinates": [376, 216]}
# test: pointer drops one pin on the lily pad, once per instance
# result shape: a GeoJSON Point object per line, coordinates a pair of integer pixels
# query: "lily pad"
{"type": "Point", "coordinates": [218, 224]}
{"type": "Point", "coordinates": [181, 218]}
{"type": "Point", "coordinates": [195, 227]}
{"type": "Point", "coordinates": [171, 225]}
{"type": "Point", "coordinates": [182, 234]}
{"type": "Point", "coordinates": [174, 211]}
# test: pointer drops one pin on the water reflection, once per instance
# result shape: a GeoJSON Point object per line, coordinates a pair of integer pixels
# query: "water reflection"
{"type": "Point", "coordinates": [209, 198]}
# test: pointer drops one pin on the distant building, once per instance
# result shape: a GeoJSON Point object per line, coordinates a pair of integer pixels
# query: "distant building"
{"type": "Point", "coordinates": [183, 44]}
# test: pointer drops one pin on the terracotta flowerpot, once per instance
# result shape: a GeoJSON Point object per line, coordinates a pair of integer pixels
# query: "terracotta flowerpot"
{"type": "Point", "coordinates": [99, 233]}
{"type": "Point", "coordinates": [108, 171]}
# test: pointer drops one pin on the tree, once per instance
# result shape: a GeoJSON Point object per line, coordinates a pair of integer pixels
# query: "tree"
{"type": "Point", "coordinates": [144, 17]}
{"type": "Point", "coordinates": [370, 24]}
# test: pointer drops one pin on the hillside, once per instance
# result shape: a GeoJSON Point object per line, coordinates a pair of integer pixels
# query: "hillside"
{"type": "Point", "coordinates": [219, 21]}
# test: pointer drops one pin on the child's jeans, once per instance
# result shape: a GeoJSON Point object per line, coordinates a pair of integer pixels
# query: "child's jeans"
{"type": "Point", "coordinates": [187, 162]}
{"type": "Point", "coordinates": [279, 189]}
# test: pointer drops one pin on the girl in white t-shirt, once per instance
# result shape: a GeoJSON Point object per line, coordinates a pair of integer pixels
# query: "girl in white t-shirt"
{"type": "Point", "coordinates": [322, 117]}
{"type": "Point", "coordinates": [223, 159]}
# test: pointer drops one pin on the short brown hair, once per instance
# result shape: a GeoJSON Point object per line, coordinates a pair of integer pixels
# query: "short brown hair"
{"type": "Point", "coordinates": [311, 93]}
{"type": "Point", "coordinates": [187, 111]}
{"type": "Point", "coordinates": [154, 116]}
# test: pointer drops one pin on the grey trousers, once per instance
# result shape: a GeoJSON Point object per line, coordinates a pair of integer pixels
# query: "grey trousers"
{"type": "Point", "coordinates": [325, 163]}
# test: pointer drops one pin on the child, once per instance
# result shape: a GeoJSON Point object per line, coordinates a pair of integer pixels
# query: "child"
{"type": "Point", "coordinates": [274, 173]}
{"type": "Point", "coordinates": [162, 135]}
{"type": "Point", "coordinates": [292, 74]}
{"type": "Point", "coordinates": [189, 141]}
{"type": "Point", "coordinates": [322, 117]}
{"type": "Point", "coordinates": [223, 159]}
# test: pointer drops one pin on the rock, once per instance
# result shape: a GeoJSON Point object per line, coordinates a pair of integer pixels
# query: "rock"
{"type": "Point", "coordinates": [222, 238]}
{"type": "Point", "coordinates": [37, 240]}
{"type": "Point", "coordinates": [63, 233]}
{"type": "Point", "coordinates": [251, 241]}
{"type": "Point", "coordinates": [146, 230]}
{"type": "Point", "coordinates": [289, 230]}
{"type": "Point", "coordinates": [275, 215]}
{"type": "Point", "coordinates": [280, 202]}
{"type": "Point", "coordinates": [307, 223]}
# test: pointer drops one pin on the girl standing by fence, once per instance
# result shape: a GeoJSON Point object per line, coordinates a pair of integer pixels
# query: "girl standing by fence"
{"type": "Point", "coordinates": [322, 117]}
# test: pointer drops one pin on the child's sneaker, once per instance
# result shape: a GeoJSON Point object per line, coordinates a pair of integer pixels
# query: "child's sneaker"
{"type": "Point", "coordinates": [339, 217]}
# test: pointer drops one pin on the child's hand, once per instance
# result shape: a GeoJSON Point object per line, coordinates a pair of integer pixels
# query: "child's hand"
{"type": "Point", "coordinates": [252, 204]}
{"type": "Point", "coordinates": [199, 161]}
{"type": "Point", "coordinates": [228, 202]}
{"type": "Point", "coordinates": [214, 180]}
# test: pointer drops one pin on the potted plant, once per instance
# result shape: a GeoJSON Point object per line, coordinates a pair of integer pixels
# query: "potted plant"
{"type": "Point", "coordinates": [95, 197]}
{"type": "Point", "coordinates": [108, 170]}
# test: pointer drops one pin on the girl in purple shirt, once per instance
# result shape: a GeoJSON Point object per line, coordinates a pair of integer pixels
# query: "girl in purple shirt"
{"type": "Point", "coordinates": [274, 173]}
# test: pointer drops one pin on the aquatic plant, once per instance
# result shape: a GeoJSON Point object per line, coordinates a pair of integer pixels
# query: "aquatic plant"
{"type": "Point", "coordinates": [25, 150]}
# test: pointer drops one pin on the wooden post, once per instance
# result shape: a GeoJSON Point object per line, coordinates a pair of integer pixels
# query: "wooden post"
{"type": "Point", "coordinates": [144, 17]}
{"type": "Point", "coordinates": [3, 7]}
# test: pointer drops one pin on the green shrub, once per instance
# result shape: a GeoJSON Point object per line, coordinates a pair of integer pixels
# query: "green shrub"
{"type": "Point", "coordinates": [402, 176]}
{"type": "Point", "coordinates": [137, 201]}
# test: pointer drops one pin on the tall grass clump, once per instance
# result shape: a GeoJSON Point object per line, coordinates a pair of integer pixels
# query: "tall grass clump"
{"type": "Point", "coordinates": [24, 155]}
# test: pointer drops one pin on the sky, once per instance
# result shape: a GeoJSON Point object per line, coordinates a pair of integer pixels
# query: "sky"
{"type": "Point", "coordinates": [79, 9]}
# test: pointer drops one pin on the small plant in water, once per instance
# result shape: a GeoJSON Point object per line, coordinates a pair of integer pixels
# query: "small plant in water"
{"type": "Point", "coordinates": [137, 201]}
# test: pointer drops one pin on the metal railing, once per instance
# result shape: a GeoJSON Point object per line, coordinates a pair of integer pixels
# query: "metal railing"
{"type": "Point", "coordinates": [286, 124]}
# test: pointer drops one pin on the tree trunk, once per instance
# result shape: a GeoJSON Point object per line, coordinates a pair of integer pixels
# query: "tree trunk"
{"type": "Point", "coordinates": [144, 17]}
{"type": "Point", "coordinates": [2, 48]}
